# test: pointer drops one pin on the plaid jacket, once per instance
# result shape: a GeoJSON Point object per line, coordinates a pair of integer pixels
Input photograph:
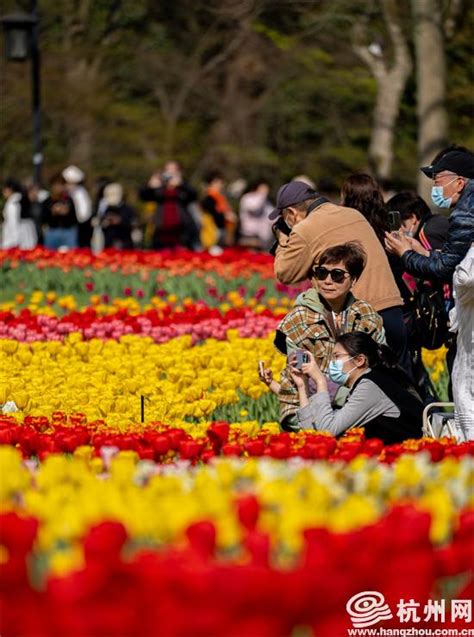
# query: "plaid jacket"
{"type": "Point", "coordinates": [308, 326]}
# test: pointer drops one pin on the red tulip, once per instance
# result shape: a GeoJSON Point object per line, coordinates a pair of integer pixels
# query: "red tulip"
{"type": "Point", "coordinates": [17, 533]}
{"type": "Point", "coordinates": [255, 447]}
{"type": "Point", "coordinates": [161, 444]}
{"type": "Point", "coordinates": [248, 510]}
{"type": "Point", "coordinates": [104, 541]}
{"type": "Point", "coordinates": [218, 434]}
{"type": "Point", "coordinates": [189, 449]}
{"type": "Point", "coordinates": [231, 449]}
{"type": "Point", "coordinates": [202, 538]}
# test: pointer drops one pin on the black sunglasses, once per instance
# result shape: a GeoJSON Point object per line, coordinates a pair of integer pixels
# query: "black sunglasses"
{"type": "Point", "coordinates": [337, 275]}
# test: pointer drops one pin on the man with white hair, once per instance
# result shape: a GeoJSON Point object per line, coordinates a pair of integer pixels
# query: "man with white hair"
{"type": "Point", "coordinates": [82, 202]}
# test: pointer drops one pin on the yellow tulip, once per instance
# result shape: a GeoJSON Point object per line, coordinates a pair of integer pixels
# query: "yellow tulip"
{"type": "Point", "coordinates": [20, 398]}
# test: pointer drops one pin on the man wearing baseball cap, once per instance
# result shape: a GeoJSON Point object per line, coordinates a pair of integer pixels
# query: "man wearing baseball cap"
{"type": "Point", "coordinates": [306, 224]}
{"type": "Point", "coordinates": [453, 177]}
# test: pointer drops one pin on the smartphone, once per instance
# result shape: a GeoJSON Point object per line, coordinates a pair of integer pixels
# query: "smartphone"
{"type": "Point", "coordinates": [394, 220]}
{"type": "Point", "coordinates": [261, 368]}
{"type": "Point", "coordinates": [301, 358]}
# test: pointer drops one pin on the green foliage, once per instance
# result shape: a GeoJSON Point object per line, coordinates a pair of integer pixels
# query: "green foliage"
{"type": "Point", "coordinates": [267, 88]}
{"type": "Point", "coordinates": [263, 409]}
{"type": "Point", "coordinates": [26, 278]}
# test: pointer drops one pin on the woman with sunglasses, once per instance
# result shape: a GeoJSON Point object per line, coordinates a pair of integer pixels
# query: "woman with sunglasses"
{"type": "Point", "coordinates": [319, 316]}
{"type": "Point", "coordinates": [382, 399]}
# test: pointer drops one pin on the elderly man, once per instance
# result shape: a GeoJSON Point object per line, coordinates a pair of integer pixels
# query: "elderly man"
{"type": "Point", "coordinates": [306, 224]}
{"type": "Point", "coordinates": [453, 175]}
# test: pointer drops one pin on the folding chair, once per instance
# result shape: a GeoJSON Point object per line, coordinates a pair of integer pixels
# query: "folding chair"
{"type": "Point", "coordinates": [439, 424]}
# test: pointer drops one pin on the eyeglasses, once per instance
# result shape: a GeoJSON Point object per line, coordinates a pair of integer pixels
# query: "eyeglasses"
{"type": "Point", "coordinates": [336, 274]}
{"type": "Point", "coordinates": [441, 175]}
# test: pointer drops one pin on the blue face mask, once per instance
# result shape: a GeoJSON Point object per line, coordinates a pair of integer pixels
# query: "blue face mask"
{"type": "Point", "coordinates": [336, 373]}
{"type": "Point", "coordinates": [438, 198]}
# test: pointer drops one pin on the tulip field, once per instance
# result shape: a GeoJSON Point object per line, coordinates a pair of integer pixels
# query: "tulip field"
{"type": "Point", "coordinates": [146, 489]}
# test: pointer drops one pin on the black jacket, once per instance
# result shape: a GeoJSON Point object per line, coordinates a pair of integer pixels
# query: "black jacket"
{"type": "Point", "coordinates": [409, 422]}
{"type": "Point", "coordinates": [185, 231]}
{"type": "Point", "coordinates": [440, 264]}
{"type": "Point", "coordinates": [435, 229]}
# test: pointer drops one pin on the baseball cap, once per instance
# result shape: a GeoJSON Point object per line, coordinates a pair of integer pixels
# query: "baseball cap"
{"type": "Point", "coordinates": [460, 163]}
{"type": "Point", "coordinates": [290, 194]}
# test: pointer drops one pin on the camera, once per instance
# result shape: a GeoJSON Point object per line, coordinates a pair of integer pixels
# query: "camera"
{"type": "Point", "coordinates": [281, 225]}
{"type": "Point", "coordinates": [166, 178]}
{"type": "Point", "coordinates": [301, 358]}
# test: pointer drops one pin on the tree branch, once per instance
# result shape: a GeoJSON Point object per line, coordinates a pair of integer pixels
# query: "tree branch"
{"type": "Point", "coordinates": [361, 49]}
{"type": "Point", "coordinates": [454, 11]}
{"type": "Point", "coordinates": [401, 52]}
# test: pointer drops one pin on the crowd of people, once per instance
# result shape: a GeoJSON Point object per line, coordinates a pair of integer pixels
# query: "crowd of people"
{"type": "Point", "coordinates": [171, 213]}
{"type": "Point", "coordinates": [384, 274]}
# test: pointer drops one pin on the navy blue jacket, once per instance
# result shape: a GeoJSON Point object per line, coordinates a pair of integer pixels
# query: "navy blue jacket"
{"type": "Point", "coordinates": [440, 265]}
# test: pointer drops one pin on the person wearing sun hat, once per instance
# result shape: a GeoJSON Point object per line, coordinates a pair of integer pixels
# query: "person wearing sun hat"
{"type": "Point", "coordinates": [453, 177]}
{"type": "Point", "coordinates": [74, 178]}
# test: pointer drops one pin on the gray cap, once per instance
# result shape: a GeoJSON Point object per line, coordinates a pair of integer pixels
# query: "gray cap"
{"type": "Point", "coordinates": [292, 193]}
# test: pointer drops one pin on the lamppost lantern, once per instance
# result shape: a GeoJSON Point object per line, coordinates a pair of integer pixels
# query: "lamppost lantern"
{"type": "Point", "coordinates": [22, 42]}
{"type": "Point", "coordinates": [18, 28]}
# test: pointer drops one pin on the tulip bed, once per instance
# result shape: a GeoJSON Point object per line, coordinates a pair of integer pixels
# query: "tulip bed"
{"type": "Point", "coordinates": [146, 488]}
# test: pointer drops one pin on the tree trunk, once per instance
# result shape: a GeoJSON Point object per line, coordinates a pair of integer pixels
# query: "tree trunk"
{"type": "Point", "coordinates": [431, 85]}
{"type": "Point", "coordinates": [387, 106]}
{"type": "Point", "coordinates": [391, 80]}
{"type": "Point", "coordinates": [82, 146]}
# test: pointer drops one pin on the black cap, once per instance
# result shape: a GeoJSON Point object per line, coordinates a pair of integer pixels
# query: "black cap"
{"type": "Point", "coordinates": [290, 194]}
{"type": "Point", "coordinates": [458, 162]}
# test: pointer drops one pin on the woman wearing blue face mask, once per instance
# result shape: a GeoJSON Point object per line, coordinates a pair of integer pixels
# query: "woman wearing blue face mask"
{"type": "Point", "coordinates": [381, 399]}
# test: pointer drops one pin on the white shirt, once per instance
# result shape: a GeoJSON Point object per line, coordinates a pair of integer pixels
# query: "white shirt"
{"type": "Point", "coordinates": [463, 372]}
{"type": "Point", "coordinates": [82, 203]}
{"type": "Point", "coordinates": [17, 232]}
{"type": "Point", "coordinates": [252, 225]}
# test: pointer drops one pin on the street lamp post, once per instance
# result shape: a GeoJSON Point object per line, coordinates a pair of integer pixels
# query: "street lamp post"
{"type": "Point", "coordinates": [22, 41]}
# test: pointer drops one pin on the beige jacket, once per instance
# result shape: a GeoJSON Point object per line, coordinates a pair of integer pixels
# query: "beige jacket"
{"type": "Point", "coordinates": [328, 226]}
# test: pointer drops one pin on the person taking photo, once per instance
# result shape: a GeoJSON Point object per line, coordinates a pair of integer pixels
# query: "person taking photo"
{"type": "Point", "coordinates": [381, 399]}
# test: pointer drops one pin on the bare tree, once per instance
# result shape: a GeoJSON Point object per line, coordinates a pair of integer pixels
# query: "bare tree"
{"type": "Point", "coordinates": [391, 77]}
{"type": "Point", "coordinates": [177, 73]}
{"type": "Point", "coordinates": [431, 83]}
{"type": "Point", "coordinates": [88, 31]}
{"type": "Point", "coordinates": [244, 90]}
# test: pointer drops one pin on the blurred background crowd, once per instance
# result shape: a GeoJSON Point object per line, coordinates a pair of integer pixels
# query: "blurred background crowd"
{"type": "Point", "coordinates": [265, 89]}
{"type": "Point", "coordinates": [168, 212]}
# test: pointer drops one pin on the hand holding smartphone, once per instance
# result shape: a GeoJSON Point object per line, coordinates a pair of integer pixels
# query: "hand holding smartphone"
{"type": "Point", "coordinates": [394, 220]}
{"type": "Point", "coordinates": [301, 358]}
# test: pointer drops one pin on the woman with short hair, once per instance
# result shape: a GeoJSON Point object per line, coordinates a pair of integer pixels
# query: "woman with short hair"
{"type": "Point", "coordinates": [319, 316]}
